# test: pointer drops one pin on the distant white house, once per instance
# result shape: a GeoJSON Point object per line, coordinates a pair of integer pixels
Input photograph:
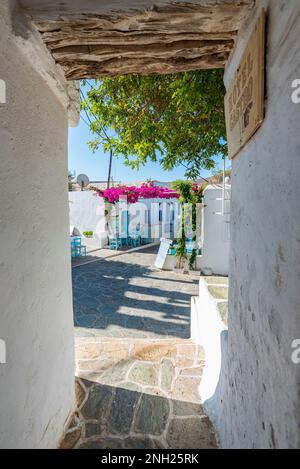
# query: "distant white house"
{"type": "Point", "coordinates": [100, 185]}
{"type": "Point", "coordinates": [216, 230]}
{"type": "Point", "coordinates": [158, 218]}
{"type": "Point", "coordinates": [155, 218]}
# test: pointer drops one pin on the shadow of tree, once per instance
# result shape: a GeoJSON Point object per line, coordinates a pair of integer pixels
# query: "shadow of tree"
{"type": "Point", "coordinates": [115, 295]}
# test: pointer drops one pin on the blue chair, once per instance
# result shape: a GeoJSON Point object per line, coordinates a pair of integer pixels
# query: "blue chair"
{"type": "Point", "coordinates": [77, 249]}
{"type": "Point", "coordinates": [135, 239]}
{"type": "Point", "coordinates": [135, 242]}
{"type": "Point", "coordinates": [75, 246]}
{"type": "Point", "coordinates": [125, 241]}
{"type": "Point", "coordinates": [189, 246]}
{"type": "Point", "coordinates": [115, 243]}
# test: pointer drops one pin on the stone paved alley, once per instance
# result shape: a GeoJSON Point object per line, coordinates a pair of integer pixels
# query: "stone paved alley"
{"type": "Point", "coordinates": [137, 371]}
{"type": "Point", "coordinates": [126, 296]}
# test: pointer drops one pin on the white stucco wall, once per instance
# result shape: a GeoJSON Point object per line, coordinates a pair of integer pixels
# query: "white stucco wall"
{"type": "Point", "coordinates": [216, 230]}
{"type": "Point", "coordinates": [86, 212]}
{"type": "Point", "coordinates": [37, 382]}
{"type": "Point", "coordinates": [208, 330]}
{"type": "Point", "coordinates": [260, 404]}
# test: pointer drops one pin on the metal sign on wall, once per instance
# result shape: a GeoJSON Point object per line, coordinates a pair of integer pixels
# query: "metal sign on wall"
{"type": "Point", "coordinates": [244, 100]}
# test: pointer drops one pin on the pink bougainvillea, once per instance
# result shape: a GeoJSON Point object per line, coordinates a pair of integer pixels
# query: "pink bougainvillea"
{"type": "Point", "coordinates": [133, 193]}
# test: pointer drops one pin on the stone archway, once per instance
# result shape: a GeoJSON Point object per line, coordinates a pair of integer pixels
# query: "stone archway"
{"type": "Point", "coordinates": [86, 40]}
{"type": "Point", "coordinates": [137, 38]}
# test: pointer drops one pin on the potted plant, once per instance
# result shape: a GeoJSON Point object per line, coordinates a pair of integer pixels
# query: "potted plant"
{"type": "Point", "coordinates": [88, 234]}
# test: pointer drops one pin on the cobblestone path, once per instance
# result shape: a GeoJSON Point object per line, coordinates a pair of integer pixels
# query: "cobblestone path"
{"type": "Point", "coordinates": [137, 371]}
{"type": "Point", "coordinates": [126, 296]}
{"type": "Point", "coordinates": [138, 394]}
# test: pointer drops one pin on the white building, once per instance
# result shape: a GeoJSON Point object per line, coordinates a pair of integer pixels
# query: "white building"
{"type": "Point", "coordinates": [216, 230]}
{"type": "Point", "coordinates": [155, 218]}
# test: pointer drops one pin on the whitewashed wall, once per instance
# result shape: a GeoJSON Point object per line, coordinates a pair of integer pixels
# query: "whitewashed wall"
{"type": "Point", "coordinates": [216, 230]}
{"type": "Point", "coordinates": [86, 211]}
{"type": "Point", "coordinates": [157, 227]}
{"type": "Point", "coordinates": [259, 403]}
{"type": "Point", "coordinates": [37, 382]}
{"type": "Point", "coordinates": [87, 214]}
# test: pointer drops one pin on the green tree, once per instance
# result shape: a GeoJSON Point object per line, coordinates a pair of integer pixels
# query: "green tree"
{"type": "Point", "coordinates": [176, 119]}
{"type": "Point", "coordinates": [71, 177]}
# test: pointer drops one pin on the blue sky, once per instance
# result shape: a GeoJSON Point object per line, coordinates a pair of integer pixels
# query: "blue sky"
{"type": "Point", "coordinates": [95, 165]}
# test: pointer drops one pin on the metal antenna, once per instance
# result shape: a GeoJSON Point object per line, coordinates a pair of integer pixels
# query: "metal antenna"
{"type": "Point", "coordinates": [82, 181]}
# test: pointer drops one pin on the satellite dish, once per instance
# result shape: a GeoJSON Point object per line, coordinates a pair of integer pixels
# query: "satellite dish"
{"type": "Point", "coordinates": [82, 180]}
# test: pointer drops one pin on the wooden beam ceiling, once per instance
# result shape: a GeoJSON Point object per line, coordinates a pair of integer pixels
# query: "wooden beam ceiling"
{"type": "Point", "coordinates": [160, 39]}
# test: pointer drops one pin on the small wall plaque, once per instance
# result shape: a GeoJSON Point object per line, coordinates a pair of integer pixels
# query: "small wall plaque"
{"type": "Point", "coordinates": [244, 101]}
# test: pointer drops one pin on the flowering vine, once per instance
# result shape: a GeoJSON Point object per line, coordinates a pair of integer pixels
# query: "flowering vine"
{"type": "Point", "coordinates": [146, 191]}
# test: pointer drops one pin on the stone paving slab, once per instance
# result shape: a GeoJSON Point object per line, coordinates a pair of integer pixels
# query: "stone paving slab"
{"type": "Point", "coordinates": [216, 280]}
{"type": "Point", "coordinates": [126, 296]}
{"type": "Point", "coordinates": [94, 255]}
{"type": "Point", "coordinates": [138, 394]}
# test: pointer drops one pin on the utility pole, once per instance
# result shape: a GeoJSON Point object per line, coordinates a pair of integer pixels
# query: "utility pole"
{"type": "Point", "coordinates": [109, 168]}
{"type": "Point", "coordinates": [223, 188]}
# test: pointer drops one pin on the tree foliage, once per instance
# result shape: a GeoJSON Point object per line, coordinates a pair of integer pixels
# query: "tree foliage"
{"type": "Point", "coordinates": [174, 119]}
{"type": "Point", "coordinates": [71, 177]}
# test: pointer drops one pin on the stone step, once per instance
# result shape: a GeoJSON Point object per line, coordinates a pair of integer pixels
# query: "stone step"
{"type": "Point", "coordinates": [139, 394]}
{"type": "Point", "coordinates": [141, 349]}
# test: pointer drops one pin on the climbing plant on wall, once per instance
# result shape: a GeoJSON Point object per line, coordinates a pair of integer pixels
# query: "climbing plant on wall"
{"type": "Point", "coordinates": [147, 190]}
{"type": "Point", "coordinates": [191, 195]}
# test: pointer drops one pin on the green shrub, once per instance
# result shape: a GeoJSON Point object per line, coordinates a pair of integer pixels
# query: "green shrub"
{"type": "Point", "coordinates": [88, 233]}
